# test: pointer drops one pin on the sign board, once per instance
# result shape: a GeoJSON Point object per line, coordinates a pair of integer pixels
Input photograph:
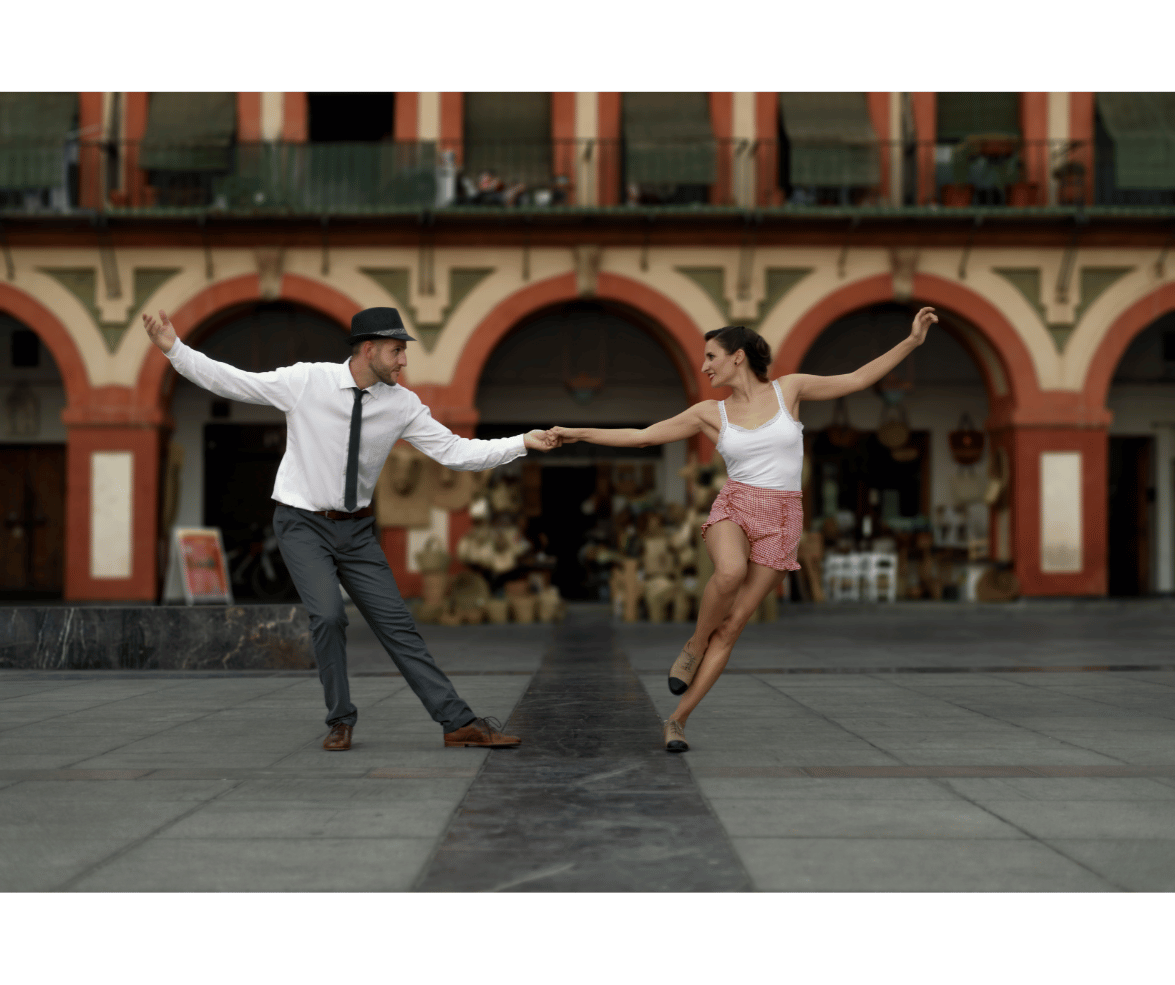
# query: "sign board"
{"type": "Point", "coordinates": [196, 571]}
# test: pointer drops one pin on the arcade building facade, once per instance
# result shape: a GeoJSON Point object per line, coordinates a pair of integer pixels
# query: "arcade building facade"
{"type": "Point", "coordinates": [559, 260]}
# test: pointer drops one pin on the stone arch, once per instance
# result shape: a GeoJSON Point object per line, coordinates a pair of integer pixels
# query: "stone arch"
{"type": "Point", "coordinates": [673, 329]}
{"type": "Point", "coordinates": [27, 310]}
{"type": "Point", "coordinates": [228, 294]}
{"type": "Point", "coordinates": [998, 351]}
{"type": "Point", "coordinates": [1117, 339]}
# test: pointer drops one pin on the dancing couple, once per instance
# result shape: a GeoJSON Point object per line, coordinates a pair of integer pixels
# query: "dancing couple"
{"type": "Point", "coordinates": [344, 418]}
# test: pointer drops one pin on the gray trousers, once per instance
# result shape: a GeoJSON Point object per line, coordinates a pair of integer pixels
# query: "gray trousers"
{"type": "Point", "coordinates": [320, 554]}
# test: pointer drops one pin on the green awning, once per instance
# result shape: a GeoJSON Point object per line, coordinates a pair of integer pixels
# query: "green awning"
{"type": "Point", "coordinates": [831, 141]}
{"type": "Point", "coordinates": [332, 178]}
{"type": "Point", "coordinates": [1142, 125]}
{"type": "Point", "coordinates": [668, 139]}
{"type": "Point", "coordinates": [189, 131]}
{"type": "Point", "coordinates": [509, 134]}
{"type": "Point", "coordinates": [967, 114]}
{"type": "Point", "coordinates": [33, 129]}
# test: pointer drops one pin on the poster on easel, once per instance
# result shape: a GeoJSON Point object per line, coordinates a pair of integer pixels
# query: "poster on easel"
{"type": "Point", "coordinates": [196, 571]}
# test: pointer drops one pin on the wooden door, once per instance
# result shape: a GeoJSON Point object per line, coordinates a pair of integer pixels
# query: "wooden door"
{"type": "Point", "coordinates": [1131, 493]}
{"type": "Point", "coordinates": [32, 514]}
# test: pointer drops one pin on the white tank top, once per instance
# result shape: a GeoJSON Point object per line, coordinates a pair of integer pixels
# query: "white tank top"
{"type": "Point", "coordinates": [770, 456]}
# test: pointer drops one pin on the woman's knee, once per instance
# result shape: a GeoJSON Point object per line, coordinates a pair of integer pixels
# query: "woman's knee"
{"type": "Point", "coordinates": [728, 577]}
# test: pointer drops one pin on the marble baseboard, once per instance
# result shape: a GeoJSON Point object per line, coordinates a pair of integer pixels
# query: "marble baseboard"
{"type": "Point", "coordinates": [206, 637]}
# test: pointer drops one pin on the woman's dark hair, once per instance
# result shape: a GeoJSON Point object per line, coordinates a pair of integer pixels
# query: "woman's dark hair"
{"type": "Point", "coordinates": [735, 337]}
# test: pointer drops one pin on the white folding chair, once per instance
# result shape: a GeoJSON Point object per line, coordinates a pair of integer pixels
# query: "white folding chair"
{"type": "Point", "coordinates": [879, 577]}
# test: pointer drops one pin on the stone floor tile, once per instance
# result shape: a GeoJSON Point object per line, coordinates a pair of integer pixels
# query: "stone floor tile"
{"type": "Point", "coordinates": [123, 791]}
{"type": "Point", "coordinates": [39, 867]}
{"type": "Point", "coordinates": [1117, 789]}
{"type": "Point", "coordinates": [916, 865]}
{"type": "Point", "coordinates": [1111, 820]}
{"type": "Point", "coordinates": [318, 865]}
{"type": "Point", "coordinates": [789, 789]}
{"type": "Point", "coordinates": [873, 818]}
{"type": "Point", "coordinates": [424, 818]}
{"type": "Point", "coordinates": [339, 792]}
{"type": "Point", "coordinates": [1055, 755]}
{"type": "Point", "coordinates": [1139, 866]}
{"type": "Point", "coordinates": [34, 819]}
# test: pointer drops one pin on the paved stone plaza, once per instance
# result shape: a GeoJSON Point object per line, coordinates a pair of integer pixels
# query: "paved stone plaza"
{"type": "Point", "coordinates": [913, 748]}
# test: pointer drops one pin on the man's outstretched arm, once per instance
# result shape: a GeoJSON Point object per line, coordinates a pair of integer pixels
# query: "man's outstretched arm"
{"type": "Point", "coordinates": [279, 388]}
{"type": "Point", "coordinates": [471, 454]}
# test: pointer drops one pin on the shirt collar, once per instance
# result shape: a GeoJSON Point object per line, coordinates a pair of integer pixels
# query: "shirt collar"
{"type": "Point", "coordinates": [347, 381]}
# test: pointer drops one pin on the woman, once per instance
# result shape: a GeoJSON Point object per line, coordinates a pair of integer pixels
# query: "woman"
{"type": "Point", "coordinates": [755, 524]}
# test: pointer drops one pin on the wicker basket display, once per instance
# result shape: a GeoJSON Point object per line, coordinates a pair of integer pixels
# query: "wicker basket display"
{"type": "Point", "coordinates": [966, 442]}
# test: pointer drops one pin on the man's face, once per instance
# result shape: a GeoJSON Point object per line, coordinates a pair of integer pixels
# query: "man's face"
{"type": "Point", "coordinates": [387, 359]}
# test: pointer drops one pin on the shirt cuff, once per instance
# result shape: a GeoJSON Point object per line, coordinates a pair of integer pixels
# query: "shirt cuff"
{"type": "Point", "coordinates": [522, 444]}
{"type": "Point", "coordinates": [175, 348]}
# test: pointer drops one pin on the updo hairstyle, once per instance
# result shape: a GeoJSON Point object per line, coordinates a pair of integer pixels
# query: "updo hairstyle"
{"type": "Point", "coordinates": [735, 337]}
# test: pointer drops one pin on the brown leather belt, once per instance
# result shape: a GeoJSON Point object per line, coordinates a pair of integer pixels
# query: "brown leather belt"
{"type": "Point", "coordinates": [340, 515]}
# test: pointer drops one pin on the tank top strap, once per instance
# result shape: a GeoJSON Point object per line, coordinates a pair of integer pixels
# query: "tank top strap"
{"type": "Point", "coordinates": [722, 411]}
{"type": "Point", "coordinates": [779, 395]}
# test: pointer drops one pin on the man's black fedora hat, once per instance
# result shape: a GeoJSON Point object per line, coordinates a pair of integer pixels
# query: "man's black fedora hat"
{"type": "Point", "coordinates": [376, 324]}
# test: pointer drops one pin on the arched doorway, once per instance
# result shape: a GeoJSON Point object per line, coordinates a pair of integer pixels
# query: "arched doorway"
{"type": "Point", "coordinates": [32, 466]}
{"type": "Point", "coordinates": [585, 363]}
{"type": "Point", "coordinates": [224, 454]}
{"type": "Point", "coordinates": [916, 500]}
{"type": "Point", "coordinates": [1140, 506]}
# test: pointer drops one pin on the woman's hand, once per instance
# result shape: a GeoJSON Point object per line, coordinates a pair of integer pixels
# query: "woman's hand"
{"type": "Point", "coordinates": [922, 322]}
{"type": "Point", "coordinates": [566, 436]}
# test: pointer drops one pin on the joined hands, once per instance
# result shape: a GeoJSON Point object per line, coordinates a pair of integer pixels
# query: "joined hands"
{"type": "Point", "coordinates": [551, 439]}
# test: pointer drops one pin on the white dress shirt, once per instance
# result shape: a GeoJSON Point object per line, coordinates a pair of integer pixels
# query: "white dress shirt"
{"type": "Point", "coordinates": [317, 399]}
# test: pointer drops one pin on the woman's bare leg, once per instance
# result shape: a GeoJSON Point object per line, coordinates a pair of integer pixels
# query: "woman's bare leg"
{"type": "Point", "coordinates": [759, 581]}
{"type": "Point", "coordinates": [729, 550]}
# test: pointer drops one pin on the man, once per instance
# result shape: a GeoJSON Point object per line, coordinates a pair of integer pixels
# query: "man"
{"type": "Point", "coordinates": [342, 420]}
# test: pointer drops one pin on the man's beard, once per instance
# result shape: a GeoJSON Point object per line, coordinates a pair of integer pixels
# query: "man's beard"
{"type": "Point", "coordinates": [385, 376]}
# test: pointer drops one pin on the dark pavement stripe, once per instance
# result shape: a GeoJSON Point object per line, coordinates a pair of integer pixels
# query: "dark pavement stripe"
{"type": "Point", "coordinates": [591, 802]}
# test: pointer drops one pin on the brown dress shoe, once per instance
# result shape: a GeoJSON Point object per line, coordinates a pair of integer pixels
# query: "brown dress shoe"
{"type": "Point", "coordinates": [339, 738]}
{"type": "Point", "coordinates": [482, 732]}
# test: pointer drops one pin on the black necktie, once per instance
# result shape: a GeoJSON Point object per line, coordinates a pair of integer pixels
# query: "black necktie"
{"type": "Point", "coordinates": [350, 490]}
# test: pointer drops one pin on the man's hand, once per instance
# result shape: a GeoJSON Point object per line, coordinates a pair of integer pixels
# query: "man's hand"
{"type": "Point", "coordinates": [922, 322]}
{"type": "Point", "coordinates": [541, 440]}
{"type": "Point", "coordinates": [161, 332]}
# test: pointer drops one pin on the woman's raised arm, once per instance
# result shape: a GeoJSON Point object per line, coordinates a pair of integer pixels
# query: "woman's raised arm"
{"type": "Point", "coordinates": [830, 387]}
{"type": "Point", "coordinates": [685, 425]}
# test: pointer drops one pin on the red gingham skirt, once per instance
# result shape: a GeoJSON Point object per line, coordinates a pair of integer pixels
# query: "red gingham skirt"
{"type": "Point", "coordinates": [772, 519]}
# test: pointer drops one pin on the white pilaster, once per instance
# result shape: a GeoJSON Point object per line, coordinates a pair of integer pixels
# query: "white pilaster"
{"type": "Point", "coordinates": [1060, 512]}
{"type": "Point", "coordinates": [272, 115]}
{"type": "Point", "coordinates": [428, 115]}
{"type": "Point", "coordinates": [1058, 131]}
{"type": "Point", "coordinates": [111, 487]}
{"type": "Point", "coordinates": [894, 150]}
{"type": "Point", "coordinates": [743, 132]}
{"type": "Point", "coordinates": [587, 128]}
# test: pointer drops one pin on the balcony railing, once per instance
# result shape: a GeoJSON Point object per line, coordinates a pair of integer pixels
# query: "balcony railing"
{"type": "Point", "coordinates": [988, 172]}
